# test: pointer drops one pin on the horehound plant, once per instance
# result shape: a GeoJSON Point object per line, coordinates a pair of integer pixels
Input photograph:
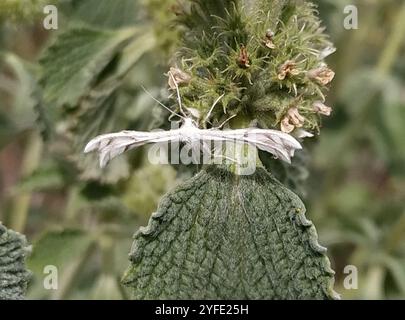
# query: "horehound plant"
{"type": "Point", "coordinates": [260, 64]}
{"type": "Point", "coordinates": [221, 235]}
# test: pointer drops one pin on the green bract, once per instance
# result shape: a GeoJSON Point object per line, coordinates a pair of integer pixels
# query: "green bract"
{"type": "Point", "coordinates": [221, 236]}
{"type": "Point", "coordinates": [266, 57]}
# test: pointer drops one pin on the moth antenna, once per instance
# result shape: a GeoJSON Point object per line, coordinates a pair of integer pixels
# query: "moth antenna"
{"type": "Point", "coordinates": [213, 106]}
{"type": "Point", "coordinates": [178, 93]}
{"type": "Point", "coordinates": [226, 121]}
{"type": "Point", "coordinates": [161, 104]}
{"type": "Point", "coordinates": [171, 118]}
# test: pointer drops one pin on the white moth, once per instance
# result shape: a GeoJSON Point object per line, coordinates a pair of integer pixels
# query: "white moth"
{"type": "Point", "coordinates": [279, 144]}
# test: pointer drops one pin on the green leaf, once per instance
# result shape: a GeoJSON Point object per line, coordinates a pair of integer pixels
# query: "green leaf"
{"type": "Point", "coordinates": [397, 269]}
{"type": "Point", "coordinates": [21, 11]}
{"type": "Point", "coordinates": [65, 249]}
{"type": "Point", "coordinates": [14, 276]}
{"type": "Point", "coordinates": [76, 59]}
{"type": "Point", "coordinates": [107, 287]}
{"type": "Point", "coordinates": [106, 13]}
{"type": "Point", "coordinates": [58, 248]}
{"type": "Point", "coordinates": [17, 115]}
{"type": "Point", "coordinates": [47, 177]}
{"type": "Point", "coordinates": [143, 197]}
{"type": "Point", "coordinates": [220, 236]}
{"type": "Point", "coordinates": [101, 110]}
{"type": "Point", "coordinates": [389, 133]}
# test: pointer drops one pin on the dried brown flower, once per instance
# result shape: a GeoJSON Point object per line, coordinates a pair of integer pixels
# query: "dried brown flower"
{"type": "Point", "coordinates": [292, 120]}
{"type": "Point", "coordinates": [178, 76]}
{"type": "Point", "coordinates": [243, 59]}
{"type": "Point", "coordinates": [286, 126]}
{"type": "Point", "coordinates": [323, 75]}
{"type": "Point", "coordinates": [321, 108]}
{"type": "Point", "coordinates": [268, 41]}
{"type": "Point", "coordinates": [288, 68]}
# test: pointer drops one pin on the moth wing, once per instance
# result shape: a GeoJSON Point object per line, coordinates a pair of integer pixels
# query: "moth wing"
{"type": "Point", "coordinates": [113, 144]}
{"type": "Point", "coordinates": [280, 144]}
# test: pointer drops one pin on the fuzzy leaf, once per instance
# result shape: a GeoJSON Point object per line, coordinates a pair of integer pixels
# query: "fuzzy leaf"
{"type": "Point", "coordinates": [14, 276]}
{"type": "Point", "coordinates": [101, 110]}
{"type": "Point", "coordinates": [219, 236]}
{"type": "Point", "coordinates": [73, 63]}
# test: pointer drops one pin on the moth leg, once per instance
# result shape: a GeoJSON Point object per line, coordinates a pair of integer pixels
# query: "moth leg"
{"type": "Point", "coordinates": [218, 154]}
{"type": "Point", "coordinates": [221, 156]}
{"type": "Point", "coordinates": [225, 122]}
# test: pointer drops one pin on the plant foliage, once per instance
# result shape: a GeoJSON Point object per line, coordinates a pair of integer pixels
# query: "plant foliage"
{"type": "Point", "coordinates": [14, 276]}
{"type": "Point", "coordinates": [219, 236]}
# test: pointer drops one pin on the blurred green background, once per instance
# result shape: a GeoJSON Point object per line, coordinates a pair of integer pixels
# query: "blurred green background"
{"type": "Point", "coordinates": [353, 187]}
